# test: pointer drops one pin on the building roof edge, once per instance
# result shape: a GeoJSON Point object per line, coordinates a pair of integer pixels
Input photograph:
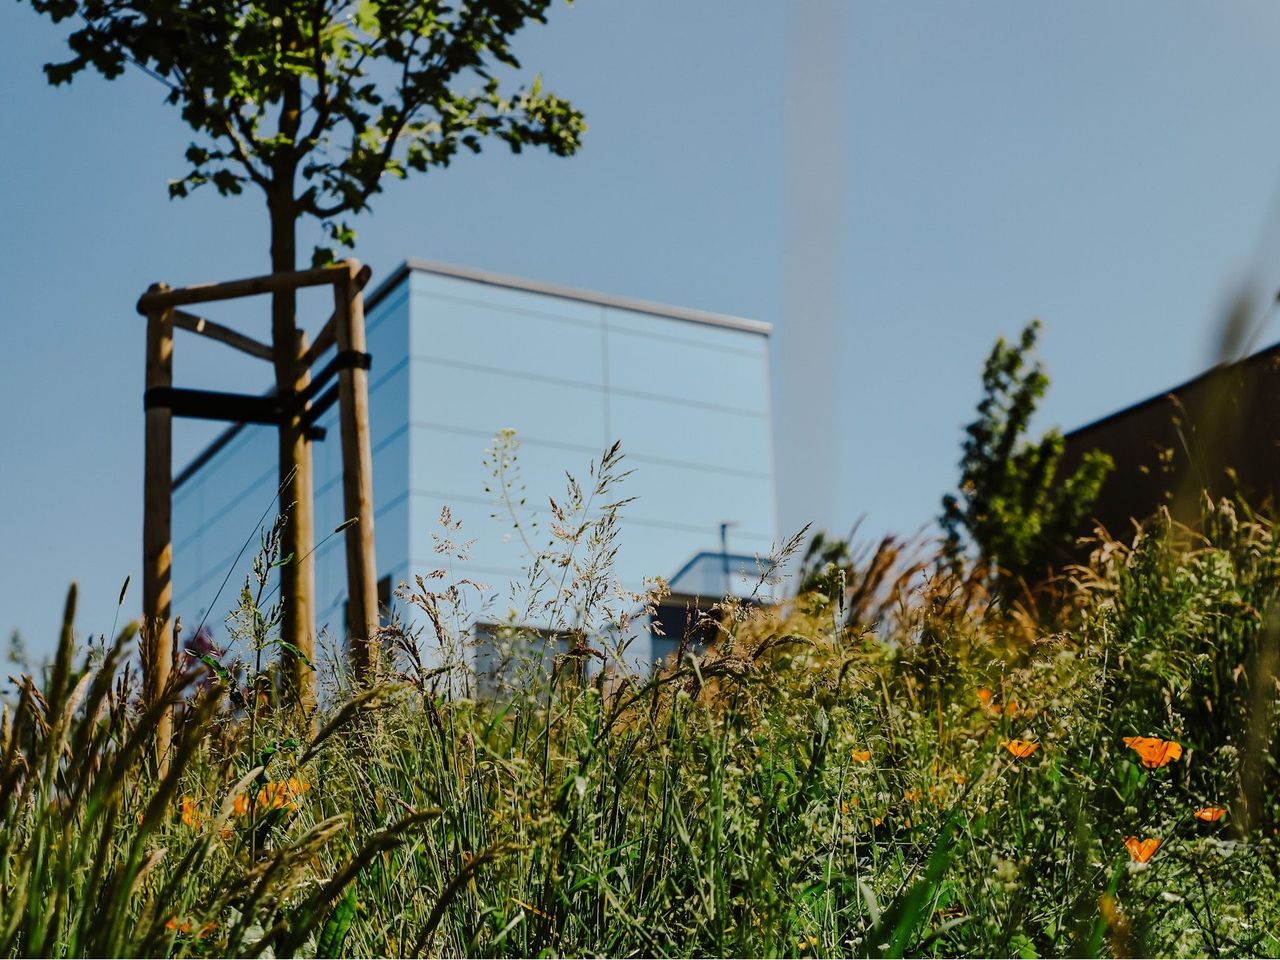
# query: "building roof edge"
{"type": "Point", "coordinates": [1215, 370]}
{"type": "Point", "coordinates": [414, 264]}
{"type": "Point", "coordinates": [687, 314]}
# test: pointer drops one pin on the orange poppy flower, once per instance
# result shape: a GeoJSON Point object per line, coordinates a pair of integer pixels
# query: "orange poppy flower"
{"type": "Point", "coordinates": [995, 709]}
{"type": "Point", "coordinates": [1153, 751]}
{"type": "Point", "coordinates": [860, 756]}
{"type": "Point", "coordinates": [1020, 748]}
{"type": "Point", "coordinates": [1210, 814]}
{"type": "Point", "coordinates": [280, 794]}
{"type": "Point", "coordinates": [1141, 850]}
{"type": "Point", "coordinates": [191, 813]}
{"type": "Point", "coordinates": [911, 796]}
{"type": "Point", "coordinates": [276, 795]}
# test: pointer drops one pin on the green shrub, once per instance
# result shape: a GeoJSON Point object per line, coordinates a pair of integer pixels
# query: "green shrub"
{"type": "Point", "coordinates": [1014, 512]}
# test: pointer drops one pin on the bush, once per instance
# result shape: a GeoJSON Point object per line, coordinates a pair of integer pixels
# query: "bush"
{"type": "Point", "coordinates": [1014, 514]}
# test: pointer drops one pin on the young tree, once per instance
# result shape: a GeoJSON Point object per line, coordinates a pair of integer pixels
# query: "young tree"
{"type": "Point", "coordinates": [1014, 512]}
{"type": "Point", "coordinates": [316, 103]}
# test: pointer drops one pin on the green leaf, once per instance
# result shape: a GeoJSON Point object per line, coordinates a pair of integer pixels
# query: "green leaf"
{"type": "Point", "coordinates": [894, 934]}
{"type": "Point", "coordinates": [294, 651]}
{"type": "Point", "coordinates": [219, 670]}
{"type": "Point", "coordinates": [333, 935]}
{"type": "Point", "coordinates": [366, 16]}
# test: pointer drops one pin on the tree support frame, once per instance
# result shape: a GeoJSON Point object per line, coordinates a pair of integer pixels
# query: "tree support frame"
{"type": "Point", "coordinates": [343, 380]}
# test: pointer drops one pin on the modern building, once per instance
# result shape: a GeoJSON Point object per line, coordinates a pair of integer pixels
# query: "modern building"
{"type": "Point", "coordinates": [459, 355]}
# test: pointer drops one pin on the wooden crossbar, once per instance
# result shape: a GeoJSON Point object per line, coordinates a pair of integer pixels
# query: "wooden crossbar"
{"type": "Point", "coordinates": [215, 405]}
{"type": "Point", "coordinates": [159, 299]}
{"type": "Point", "coordinates": [216, 331]}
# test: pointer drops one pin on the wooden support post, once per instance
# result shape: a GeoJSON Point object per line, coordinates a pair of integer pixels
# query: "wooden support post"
{"type": "Point", "coordinates": [325, 338]}
{"type": "Point", "coordinates": [298, 576]}
{"type": "Point", "coordinates": [157, 540]}
{"type": "Point", "coordinates": [357, 477]}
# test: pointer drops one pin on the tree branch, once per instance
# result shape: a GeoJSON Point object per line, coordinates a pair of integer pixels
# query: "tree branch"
{"type": "Point", "coordinates": [241, 149]}
{"type": "Point", "coordinates": [320, 64]}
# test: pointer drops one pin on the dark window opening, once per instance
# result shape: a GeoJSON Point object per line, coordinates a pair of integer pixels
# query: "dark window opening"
{"type": "Point", "coordinates": [684, 621]}
{"type": "Point", "coordinates": [384, 597]}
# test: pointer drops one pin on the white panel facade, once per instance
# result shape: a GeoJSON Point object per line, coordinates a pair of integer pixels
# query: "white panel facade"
{"type": "Point", "coordinates": [458, 357]}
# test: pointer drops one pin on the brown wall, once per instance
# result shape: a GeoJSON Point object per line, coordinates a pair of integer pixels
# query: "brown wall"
{"type": "Point", "coordinates": [1171, 447]}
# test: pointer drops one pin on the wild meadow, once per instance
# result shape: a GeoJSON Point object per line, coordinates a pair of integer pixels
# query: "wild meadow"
{"type": "Point", "coordinates": [923, 749]}
{"type": "Point", "coordinates": [893, 762]}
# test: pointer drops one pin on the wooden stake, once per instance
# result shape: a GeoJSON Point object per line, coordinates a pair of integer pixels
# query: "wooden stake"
{"type": "Point", "coordinates": [357, 478]}
{"type": "Point", "coordinates": [157, 538]}
{"type": "Point", "coordinates": [325, 338]}
{"type": "Point", "coordinates": [298, 576]}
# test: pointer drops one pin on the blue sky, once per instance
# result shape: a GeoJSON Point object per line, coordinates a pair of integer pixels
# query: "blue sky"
{"type": "Point", "coordinates": [891, 184]}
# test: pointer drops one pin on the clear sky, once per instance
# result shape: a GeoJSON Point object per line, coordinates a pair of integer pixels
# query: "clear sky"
{"type": "Point", "coordinates": [891, 184]}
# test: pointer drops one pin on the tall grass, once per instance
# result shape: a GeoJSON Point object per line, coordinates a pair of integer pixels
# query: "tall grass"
{"type": "Point", "coordinates": [894, 764]}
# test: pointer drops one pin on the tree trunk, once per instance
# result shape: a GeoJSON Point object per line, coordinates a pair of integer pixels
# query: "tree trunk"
{"type": "Point", "coordinates": [297, 577]}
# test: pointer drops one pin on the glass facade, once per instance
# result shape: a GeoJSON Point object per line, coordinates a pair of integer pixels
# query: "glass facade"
{"type": "Point", "coordinates": [459, 356]}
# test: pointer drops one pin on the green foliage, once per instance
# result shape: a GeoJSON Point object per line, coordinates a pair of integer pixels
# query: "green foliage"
{"type": "Point", "coordinates": [338, 94]}
{"type": "Point", "coordinates": [16, 652]}
{"type": "Point", "coordinates": [800, 786]}
{"type": "Point", "coordinates": [317, 103]}
{"type": "Point", "coordinates": [103, 853]}
{"type": "Point", "coordinates": [823, 562]}
{"type": "Point", "coordinates": [1015, 512]}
